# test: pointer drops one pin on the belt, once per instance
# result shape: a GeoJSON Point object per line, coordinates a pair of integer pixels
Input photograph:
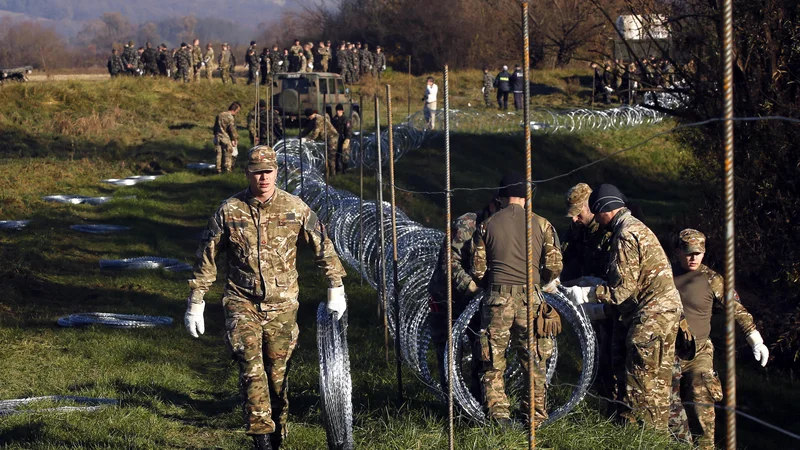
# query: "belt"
{"type": "Point", "coordinates": [509, 289]}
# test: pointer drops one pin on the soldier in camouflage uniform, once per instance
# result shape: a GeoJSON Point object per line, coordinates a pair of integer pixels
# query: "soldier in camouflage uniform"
{"type": "Point", "coordinates": [365, 58]}
{"type": "Point", "coordinates": [150, 60]}
{"type": "Point", "coordinates": [488, 85]}
{"type": "Point", "coordinates": [260, 229]}
{"type": "Point", "coordinates": [130, 58]}
{"type": "Point", "coordinates": [294, 57]}
{"type": "Point", "coordinates": [163, 64]}
{"type": "Point", "coordinates": [226, 64]}
{"type": "Point", "coordinates": [500, 262]}
{"type": "Point", "coordinates": [355, 64]}
{"type": "Point", "coordinates": [282, 64]}
{"type": "Point", "coordinates": [264, 64]}
{"type": "Point", "coordinates": [379, 62]}
{"type": "Point", "coordinates": [184, 60]}
{"type": "Point", "coordinates": [464, 289]}
{"type": "Point", "coordinates": [702, 294]}
{"type": "Point", "coordinates": [641, 289]}
{"type": "Point", "coordinates": [322, 128]}
{"type": "Point", "coordinates": [114, 65]}
{"type": "Point", "coordinates": [343, 127]}
{"type": "Point", "coordinates": [269, 123]}
{"type": "Point", "coordinates": [342, 58]}
{"type": "Point", "coordinates": [226, 138]}
{"type": "Point", "coordinates": [209, 61]}
{"type": "Point", "coordinates": [308, 53]}
{"type": "Point", "coordinates": [324, 56]}
{"type": "Point", "coordinates": [197, 60]}
{"type": "Point", "coordinates": [251, 59]}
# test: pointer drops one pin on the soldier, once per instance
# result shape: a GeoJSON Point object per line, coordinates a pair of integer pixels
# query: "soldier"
{"type": "Point", "coordinates": [261, 227]}
{"type": "Point", "coordinates": [275, 56]}
{"type": "Point", "coordinates": [341, 63]}
{"type": "Point", "coordinates": [264, 63]}
{"type": "Point", "coordinates": [465, 288]}
{"type": "Point", "coordinates": [517, 81]}
{"type": "Point", "coordinates": [129, 58]}
{"type": "Point", "coordinates": [702, 294]}
{"type": "Point", "coordinates": [226, 65]}
{"type": "Point", "coordinates": [114, 65]}
{"type": "Point", "coordinates": [355, 64]}
{"type": "Point", "coordinates": [641, 288]}
{"type": "Point", "coordinates": [197, 60]}
{"type": "Point", "coordinates": [324, 56]}
{"type": "Point", "coordinates": [184, 60]}
{"type": "Point", "coordinates": [150, 60]}
{"type": "Point", "coordinates": [268, 126]}
{"type": "Point", "coordinates": [283, 63]}
{"type": "Point", "coordinates": [585, 251]}
{"type": "Point", "coordinates": [320, 128]}
{"type": "Point", "coordinates": [488, 83]}
{"type": "Point", "coordinates": [309, 54]}
{"type": "Point", "coordinates": [342, 125]}
{"type": "Point", "coordinates": [294, 56]}
{"type": "Point", "coordinates": [251, 122]}
{"type": "Point", "coordinates": [252, 65]}
{"type": "Point", "coordinates": [139, 62]}
{"type": "Point", "coordinates": [608, 83]}
{"type": "Point", "coordinates": [500, 262]}
{"type": "Point", "coordinates": [365, 58]}
{"type": "Point", "coordinates": [226, 138]}
{"type": "Point", "coordinates": [379, 63]}
{"type": "Point", "coordinates": [502, 83]}
{"type": "Point", "coordinates": [209, 61]}
{"type": "Point", "coordinates": [163, 64]}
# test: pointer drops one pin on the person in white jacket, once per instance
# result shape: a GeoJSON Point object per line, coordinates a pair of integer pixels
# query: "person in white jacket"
{"type": "Point", "coordinates": [430, 98]}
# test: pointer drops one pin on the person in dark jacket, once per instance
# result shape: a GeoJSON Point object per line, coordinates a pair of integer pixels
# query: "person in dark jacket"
{"type": "Point", "coordinates": [518, 86]}
{"type": "Point", "coordinates": [503, 85]}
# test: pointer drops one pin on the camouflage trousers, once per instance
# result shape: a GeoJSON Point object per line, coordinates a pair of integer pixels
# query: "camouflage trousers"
{"type": "Point", "coordinates": [324, 64]}
{"type": "Point", "coordinates": [487, 96]}
{"type": "Point", "coordinates": [209, 72]}
{"type": "Point", "coordinates": [225, 157]}
{"type": "Point", "coordinates": [252, 74]}
{"type": "Point", "coordinates": [332, 144]}
{"type": "Point", "coordinates": [503, 324]}
{"type": "Point", "coordinates": [262, 338]}
{"type": "Point", "coordinates": [195, 74]}
{"type": "Point", "coordinates": [184, 73]}
{"type": "Point", "coordinates": [697, 382]}
{"type": "Point", "coordinates": [649, 355]}
{"type": "Point", "coordinates": [342, 156]}
{"type": "Point", "coordinates": [226, 74]}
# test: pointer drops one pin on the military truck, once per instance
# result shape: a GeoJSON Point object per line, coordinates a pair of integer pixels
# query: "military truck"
{"type": "Point", "coordinates": [293, 93]}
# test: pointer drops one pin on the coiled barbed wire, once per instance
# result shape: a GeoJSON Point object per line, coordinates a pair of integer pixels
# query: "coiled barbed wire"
{"type": "Point", "coordinates": [99, 228]}
{"type": "Point", "coordinates": [146, 262]}
{"type": "Point", "coordinates": [114, 320]}
{"type": "Point", "coordinates": [8, 407]}
{"type": "Point", "coordinates": [130, 181]}
{"type": "Point", "coordinates": [334, 379]}
{"type": "Point", "coordinates": [13, 224]}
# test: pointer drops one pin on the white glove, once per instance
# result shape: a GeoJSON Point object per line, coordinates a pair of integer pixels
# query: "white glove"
{"type": "Point", "coordinates": [337, 302]}
{"type": "Point", "coordinates": [235, 152]}
{"type": "Point", "coordinates": [579, 295]}
{"type": "Point", "coordinates": [552, 287]}
{"type": "Point", "coordinates": [310, 66]}
{"type": "Point", "coordinates": [384, 67]}
{"type": "Point", "coordinates": [483, 90]}
{"type": "Point", "coordinates": [594, 311]}
{"type": "Point", "coordinates": [608, 89]}
{"type": "Point", "coordinates": [280, 63]}
{"type": "Point", "coordinates": [760, 351]}
{"type": "Point", "coordinates": [193, 319]}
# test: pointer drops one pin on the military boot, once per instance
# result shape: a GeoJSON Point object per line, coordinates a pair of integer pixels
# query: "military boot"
{"type": "Point", "coordinates": [262, 442]}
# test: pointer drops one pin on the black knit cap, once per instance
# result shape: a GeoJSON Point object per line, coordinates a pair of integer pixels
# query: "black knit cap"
{"type": "Point", "coordinates": [512, 185]}
{"type": "Point", "coordinates": [606, 198]}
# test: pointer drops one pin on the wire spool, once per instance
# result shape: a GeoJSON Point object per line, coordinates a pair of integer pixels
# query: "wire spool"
{"type": "Point", "coordinates": [9, 407]}
{"type": "Point", "coordinates": [99, 228]}
{"type": "Point", "coordinates": [114, 320]}
{"type": "Point", "coordinates": [334, 379]}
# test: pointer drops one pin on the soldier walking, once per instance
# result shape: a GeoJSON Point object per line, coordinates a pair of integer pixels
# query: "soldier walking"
{"type": "Point", "coordinates": [488, 85]}
{"type": "Point", "coordinates": [260, 298]}
{"type": "Point", "coordinates": [517, 81]}
{"type": "Point", "coordinates": [343, 127]}
{"type": "Point", "coordinates": [365, 58]}
{"type": "Point", "coordinates": [641, 291]}
{"type": "Point", "coordinates": [502, 83]}
{"type": "Point", "coordinates": [321, 127]}
{"type": "Point", "coordinates": [184, 60]}
{"type": "Point", "coordinates": [379, 63]}
{"type": "Point", "coordinates": [226, 138]}
{"type": "Point", "coordinates": [501, 252]}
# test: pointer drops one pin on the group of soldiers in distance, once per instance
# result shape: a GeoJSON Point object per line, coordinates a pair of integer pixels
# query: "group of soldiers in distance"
{"type": "Point", "coordinates": [623, 79]}
{"type": "Point", "coordinates": [352, 61]}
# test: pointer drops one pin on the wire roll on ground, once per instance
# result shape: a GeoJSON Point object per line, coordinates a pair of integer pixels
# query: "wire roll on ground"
{"type": "Point", "coordinates": [8, 407]}
{"type": "Point", "coordinates": [335, 386]}
{"type": "Point", "coordinates": [13, 224]}
{"type": "Point", "coordinates": [114, 320]}
{"type": "Point", "coordinates": [145, 262]}
{"type": "Point", "coordinates": [99, 228]}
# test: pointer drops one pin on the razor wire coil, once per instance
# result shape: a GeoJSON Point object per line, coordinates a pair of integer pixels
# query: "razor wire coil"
{"type": "Point", "coordinates": [114, 320]}
{"type": "Point", "coordinates": [334, 379]}
{"type": "Point", "coordinates": [145, 262]}
{"type": "Point", "coordinates": [9, 407]}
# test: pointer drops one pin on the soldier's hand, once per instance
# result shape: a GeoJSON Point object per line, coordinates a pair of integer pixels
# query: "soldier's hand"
{"type": "Point", "coordinates": [580, 295]}
{"type": "Point", "coordinates": [337, 302]}
{"type": "Point", "coordinates": [552, 287]}
{"type": "Point", "coordinates": [760, 351]}
{"type": "Point", "coordinates": [193, 319]}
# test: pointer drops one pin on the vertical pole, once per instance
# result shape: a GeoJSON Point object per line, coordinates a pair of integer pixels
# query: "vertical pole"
{"type": "Point", "coordinates": [529, 225]}
{"type": "Point", "coordinates": [300, 150]}
{"type": "Point", "coordinates": [594, 81]}
{"type": "Point", "coordinates": [285, 151]}
{"type": "Point", "coordinates": [325, 156]}
{"type": "Point", "coordinates": [395, 281]}
{"type": "Point", "coordinates": [630, 84]}
{"type": "Point", "coordinates": [257, 116]}
{"type": "Point", "coordinates": [408, 116]}
{"type": "Point", "coordinates": [730, 261]}
{"type": "Point", "coordinates": [382, 249]}
{"type": "Point", "coordinates": [270, 116]}
{"type": "Point", "coordinates": [449, 239]}
{"type": "Point", "coordinates": [361, 192]}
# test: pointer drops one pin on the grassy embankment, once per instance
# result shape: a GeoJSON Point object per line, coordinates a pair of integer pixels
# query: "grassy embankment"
{"type": "Point", "coordinates": [177, 392]}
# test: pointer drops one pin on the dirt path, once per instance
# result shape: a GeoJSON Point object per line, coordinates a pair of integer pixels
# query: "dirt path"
{"type": "Point", "coordinates": [69, 77]}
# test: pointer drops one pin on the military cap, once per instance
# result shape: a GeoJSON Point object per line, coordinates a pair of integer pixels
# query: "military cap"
{"type": "Point", "coordinates": [130, 43]}
{"type": "Point", "coordinates": [262, 158]}
{"type": "Point", "coordinates": [513, 184]}
{"type": "Point", "coordinates": [262, 103]}
{"type": "Point", "coordinates": [576, 196]}
{"type": "Point", "coordinates": [308, 112]}
{"type": "Point", "coordinates": [224, 44]}
{"type": "Point", "coordinates": [183, 44]}
{"type": "Point", "coordinates": [339, 107]}
{"type": "Point", "coordinates": [691, 241]}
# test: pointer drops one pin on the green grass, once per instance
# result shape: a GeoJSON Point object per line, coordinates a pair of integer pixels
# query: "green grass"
{"type": "Point", "coordinates": [179, 392]}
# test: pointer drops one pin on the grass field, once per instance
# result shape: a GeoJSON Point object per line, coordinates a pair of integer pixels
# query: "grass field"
{"type": "Point", "coordinates": [179, 392]}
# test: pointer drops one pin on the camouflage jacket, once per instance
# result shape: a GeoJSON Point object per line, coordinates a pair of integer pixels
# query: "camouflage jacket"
{"type": "Point", "coordinates": [129, 57]}
{"type": "Point", "coordinates": [365, 57]}
{"type": "Point", "coordinates": [278, 67]}
{"type": "Point", "coordinates": [379, 61]}
{"type": "Point", "coordinates": [225, 128]}
{"type": "Point", "coordinates": [354, 58]}
{"type": "Point", "coordinates": [183, 58]}
{"type": "Point", "coordinates": [265, 123]}
{"type": "Point", "coordinates": [150, 57]}
{"type": "Point", "coordinates": [296, 50]}
{"type": "Point", "coordinates": [197, 56]}
{"type": "Point", "coordinates": [320, 124]}
{"type": "Point", "coordinates": [549, 264]}
{"type": "Point", "coordinates": [209, 58]}
{"type": "Point", "coordinates": [585, 251]}
{"type": "Point", "coordinates": [462, 248]}
{"type": "Point", "coordinates": [115, 65]}
{"type": "Point", "coordinates": [324, 54]}
{"type": "Point", "coordinates": [639, 273]}
{"type": "Point", "coordinates": [225, 60]}
{"type": "Point", "coordinates": [260, 240]}
{"type": "Point", "coordinates": [488, 81]}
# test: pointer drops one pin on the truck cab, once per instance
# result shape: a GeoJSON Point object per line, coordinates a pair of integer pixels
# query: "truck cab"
{"type": "Point", "coordinates": [293, 93]}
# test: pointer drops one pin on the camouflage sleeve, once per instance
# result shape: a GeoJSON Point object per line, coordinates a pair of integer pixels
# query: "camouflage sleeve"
{"type": "Point", "coordinates": [624, 270]}
{"type": "Point", "coordinates": [740, 314]}
{"type": "Point", "coordinates": [550, 263]}
{"type": "Point", "coordinates": [479, 266]}
{"type": "Point", "coordinates": [204, 272]}
{"type": "Point", "coordinates": [461, 278]}
{"type": "Point", "coordinates": [230, 128]}
{"type": "Point", "coordinates": [325, 256]}
{"type": "Point", "coordinates": [251, 123]}
{"type": "Point", "coordinates": [314, 132]}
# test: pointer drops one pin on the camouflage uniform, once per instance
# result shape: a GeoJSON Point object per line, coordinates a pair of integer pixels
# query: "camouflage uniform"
{"type": "Point", "coordinates": [260, 298]}
{"type": "Point", "coordinates": [365, 59]}
{"type": "Point", "coordinates": [268, 125]}
{"type": "Point", "coordinates": [295, 53]}
{"type": "Point", "coordinates": [702, 294]}
{"type": "Point", "coordinates": [197, 60]}
{"type": "Point", "coordinates": [224, 135]}
{"type": "Point", "coordinates": [341, 63]}
{"type": "Point", "coordinates": [323, 126]}
{"type": "Point", "coordinates": [184, 60]}
{"type": "Point", "coordinates": [641, 286]}
{"type": "Point", "coordinates": [309, 59]}
{"type": "Point", "coordinates": [264, 63]}
{"type": "Point", "coordinates": [281, 64]}
{"type": "Point", "coordinates": [251, 59]}
{"type": "Point", "coordinates": [488, 85]}
{"type": "Point", "coordinates": [226, 65]}
{"type": "Point", "coordinates": [355, 64]}
{"type": "Point", "coordinates": [342, 159]}
{"type": "Point", "coordinates": [150, 61]}
{"type": "Point", "coordinates": [504, 312]}
{"type": "Point", "coordinates": [324, 58]}
{"type": "Point", "coordinates": [210, 62]}
{"type": "Point", "coordinates": [378, 63]}
{"type": "Point", "coordinates": [130, 59]}
{"type": "Point", "coordinates": [115, 66]}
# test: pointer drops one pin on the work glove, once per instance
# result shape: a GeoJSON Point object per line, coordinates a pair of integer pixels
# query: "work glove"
{"type": "Point", "coordinates": [193, 319]}
{"type": "Point", "coordinates": [235, 151]}
{"type": "Point", "coordinates": [383, 68]}
{"type": "Point", "coordinates": [552, 287]}
{"type": "Point", "coordinates": [594, 311]}
{"type": "Point", "coordinates": [483, 90]}
{"type": "Point", "coordinates": [760, 351]}
{"type": "Point", "coordinates": [584, 282]}
{"type": "Point", "coordinates": [280, 63]}
{"type": "Point", "coordinates": [473, 289]}
{"type": "Point", "coordinates": [579, 295]}
{"type": "Point", "coordinates": [310, 66]}
{"type": "Point", "coordinates": [337, 301]}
